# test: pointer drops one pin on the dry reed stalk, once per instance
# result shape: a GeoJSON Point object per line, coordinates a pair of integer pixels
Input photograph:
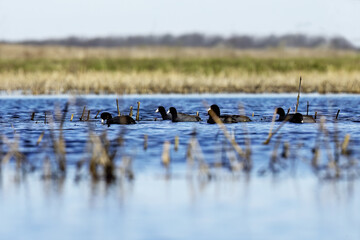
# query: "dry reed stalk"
{"type": "Point", "coordinates": [138, 111]}
{"type": "Point", "coordinates": [88, 116]}
{"type": "Point", "coordinates": [345, 144]}
{"type": "Point", "coordinates": [165, 157]}
{"type": "Point", "coordinates": [131, 111]}
{"type": "Point", "coordinates": [271, 128]}
{"type": "Point", "coordinates": [72, 116]}
{"type": "Point", "coordinates": [145, 142]}
{"type": "Point", "coordinates": [45, 118]}
{"type": "Point", "coordinates": [40, 138]}
{"type": "Point", "coordinates": [247, 160]}
{"type": "Point", "coordinates": [307, 108]}
{"type": "Point", "coordinates": [298, 97]}
{"type": "Point", "coordinates": [97, 114]}
{"type": "Point", "coordinates": [194, 154]}
{"type": "Point", "coordinates": [176, 144]}
{"type": "Point", "coordinates": [32, 116]}
{"type": "Point", "coordinates": [226, 133]}
{"type": "Point", "coordinates": [101, 156]}
{"type": "Point", "coordinates": [117, 106]}
{"type": "Point", "coordinates": [337, 114]}
{"type": "Point", "coordinates": [82, 115]}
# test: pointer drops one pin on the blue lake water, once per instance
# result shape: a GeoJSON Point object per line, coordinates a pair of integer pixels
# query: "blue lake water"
{"type": "Point", "coordinates": [294, 203]}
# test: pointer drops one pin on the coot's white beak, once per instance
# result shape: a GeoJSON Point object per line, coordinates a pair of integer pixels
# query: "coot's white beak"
{"type": "Point", "coordinates": [102, 121]}
{"type": "Point", "coordinates": [157, 110]}
{"type": "Point", "coordinates": [302, 121]}
{"type": "Point", "coordinates": [168, 111]}
{"type": "Point", "coordinates": [209, 109]}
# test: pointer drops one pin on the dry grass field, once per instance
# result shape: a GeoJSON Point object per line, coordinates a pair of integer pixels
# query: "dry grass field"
{"type": "Point", "coordinates": [54, 70]}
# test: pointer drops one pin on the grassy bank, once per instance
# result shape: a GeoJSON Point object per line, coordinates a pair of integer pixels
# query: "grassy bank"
{"type": "Point", "coordinates": [41, 70]}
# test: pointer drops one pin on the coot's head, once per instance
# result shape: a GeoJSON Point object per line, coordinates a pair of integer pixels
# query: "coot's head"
{"type": "Point", "coordinates": [161, 110]}
{"type": "Point", "coordinates": [173, 112]}
{"type": "Point", "coordinates": [297, 118]}
{"type": "Point", "coordinates": [105, 116]}
{"type": "Point", "coordinates": [280, 111]}
{"type": "Point", "coordinates": [216, 109]}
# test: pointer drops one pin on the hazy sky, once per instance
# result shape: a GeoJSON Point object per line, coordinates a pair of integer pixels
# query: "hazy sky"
{"type": "Point", "coordinates": [37, 19]}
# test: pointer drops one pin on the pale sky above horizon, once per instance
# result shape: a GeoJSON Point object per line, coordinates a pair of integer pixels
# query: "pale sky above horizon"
{"type": "Point", "coordinates": [40, 19]}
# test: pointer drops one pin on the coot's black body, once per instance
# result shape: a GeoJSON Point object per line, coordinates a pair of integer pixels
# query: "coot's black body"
{"type": "Point", "coordinates": [287, 117]}
{"type": "Point", "coordinates": [226, 118]}
{"type": "Point", "coordinates": [125, 119]}
{"type": "Point", "coordinates": [175, 117]}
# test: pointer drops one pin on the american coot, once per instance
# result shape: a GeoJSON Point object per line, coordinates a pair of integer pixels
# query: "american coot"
{"type": "Point", "coordinates": [125, 119]}
{"type": "Point", "coordinates": [175, 117]}
{"type": "Point", "coordinates": [162, 111]}
{"type": "Point", "coordinates": [297, 118]}
{"type": "Point", "coordinates": [282, 116]}
{"type": "Point", "coordinates": [226, 118]}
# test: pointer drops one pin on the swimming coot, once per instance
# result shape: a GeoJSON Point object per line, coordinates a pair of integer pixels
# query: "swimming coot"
{"type": "Point", "coordinates": [175, 117]}
{"type": "Point", "coordinates": [226, 118]}
{"type": "Point", "coordinates": [162, 111]}
{"type": "Point", "coordinates": [282, 116]}
{"type": "Point", "coordinates": [107, 117]}
{"type": "Point", "coordinates": [296, 118]}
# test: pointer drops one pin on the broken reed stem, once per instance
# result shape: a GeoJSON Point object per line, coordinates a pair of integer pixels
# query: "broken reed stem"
{"type": "Point", "coordinates": [176, 145]}
{"type": "Point", "coordinates": [226, 133]}
{"type": "Point", "coordinates": [345, 144]}
{"type": "Point", "coordinates": [272, 126]}
{"type": "Point", "coordinates": [138, 111]}
{"type": "Point", "coordinates": [248, 161]}
{"type": "Point", "coordinates": [298, 97]}
{"type": "Point", "coordinates": [82, 115]}
{"type": "Point", "coordinates": [165, 157]}
{"type": "Point", "coordinates": [145, 142]}
{"type": "Point", "coordinates": [72, 116]}
{"type": "Point", "coordinates": [32, 116]}
{"type": "Point", "coordinates": [88, 116]}
{"type": "Point", "coordinates": [117, 105]}
{"type": "Point", "coordinates": [307, 108]}
{"type": "Point", "coordinates": [288, 111]}
{"type": "Point", "coordinates": [131, 111]}
{"type": "Point", "coordinates": [271, 134]}
{"type": "Point", "coordinates": [197, 113]}
{"type": "Point", "coordinates": [315, 115]}
{"type": "Point", "coordinates": [97, 114]}
{"type": "Point", "coordinates": [40, 138]}
{"type": "Point", "coordinates": [45, 118]}
{"type": "Point", "coordinates": [337, 114]}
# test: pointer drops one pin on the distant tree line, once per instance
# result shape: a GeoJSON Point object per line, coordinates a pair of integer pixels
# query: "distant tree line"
{"type": "Point", "coordinates": [201, 40]}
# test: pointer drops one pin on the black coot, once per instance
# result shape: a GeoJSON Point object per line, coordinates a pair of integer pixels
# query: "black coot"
{"type": "Point", "coordinates": [175, 117]}
{"type": "Point", "coordinates": [107, 117]}
{"type": "Point", "coordinates": [282, 116]}
{"type": "Point", "coordinates": [226, 118]}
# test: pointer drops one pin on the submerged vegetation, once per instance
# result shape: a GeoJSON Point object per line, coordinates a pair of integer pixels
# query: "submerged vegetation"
{"type": "Point", "coordinates": [47, 70]}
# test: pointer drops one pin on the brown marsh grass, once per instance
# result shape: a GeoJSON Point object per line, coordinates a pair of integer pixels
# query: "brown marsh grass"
{"type": "Point", "coordinates": [147, 70]}
{"type": "Point", "coordinates": [58, 82]}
